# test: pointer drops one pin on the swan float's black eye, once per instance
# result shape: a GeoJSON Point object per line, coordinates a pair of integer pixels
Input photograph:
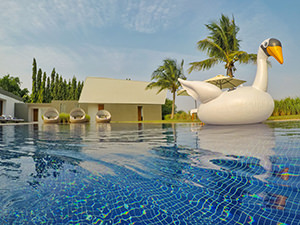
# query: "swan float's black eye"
{"type": "Point", "coordinates": [265, 44]}
{"type": "Point", "coordinates": [274, 42]}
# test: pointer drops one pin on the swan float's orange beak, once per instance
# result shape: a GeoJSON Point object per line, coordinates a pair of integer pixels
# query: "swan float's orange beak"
{"type": "Point", "coordinates": [276, 52]}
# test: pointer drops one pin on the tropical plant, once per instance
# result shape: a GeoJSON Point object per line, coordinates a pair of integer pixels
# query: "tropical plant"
{"type": "Point", "coordinates": [222, 46]}
{"type": "Point", "coordinates": [166, 77]}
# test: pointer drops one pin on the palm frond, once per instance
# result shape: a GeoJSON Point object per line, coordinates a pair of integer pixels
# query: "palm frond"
{"type": "Point", "coordinates": [222, 44]}
{"type": "Point", "coordinates": [204, 64]}
{"type": "Point", "coordinates": [167, 75]}
{"type": "Point", "coordinates": [244, 57]}
{"type": "Point", "coordinates": [212, 48]}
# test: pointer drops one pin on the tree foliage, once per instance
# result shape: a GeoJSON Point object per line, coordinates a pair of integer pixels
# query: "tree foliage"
{"type": "Point", "coordinates": [34, 88]}
{"type": "Point", "coordinates": [167, 108]}
{"type": "Point", "coordinates": [13, 85]}
{"type": "Point", "coordinates": [222, 46]}
{"type": "Point", "coordinates": [45, 89]}
{"type": "Point", "coordinates": [286, 107]}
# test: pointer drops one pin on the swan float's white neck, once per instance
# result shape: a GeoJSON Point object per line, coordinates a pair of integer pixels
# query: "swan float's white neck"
{"type": "Point", "coordinates": [261, 78]}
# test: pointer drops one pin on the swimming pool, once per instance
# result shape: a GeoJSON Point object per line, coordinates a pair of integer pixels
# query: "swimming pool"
{"type": "Point", "coordinates": [150, 174]}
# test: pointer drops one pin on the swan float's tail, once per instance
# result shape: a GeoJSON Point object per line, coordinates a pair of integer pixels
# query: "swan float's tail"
{"type": "Point", "coordinates": [200, 90]}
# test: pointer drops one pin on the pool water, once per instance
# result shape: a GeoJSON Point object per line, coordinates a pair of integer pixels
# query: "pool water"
{"type": "Point", "coordinates": [150, 174]}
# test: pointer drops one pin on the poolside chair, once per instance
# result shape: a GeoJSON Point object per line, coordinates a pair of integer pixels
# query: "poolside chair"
{"type": "Point", "coordinates": [103, 116]}
{"type": "Point", "coordinates": [77, 115]}
{"type": "Point", "coordinates": [3, 119]}
{"type": "Point", "coordinates": [51, 116]}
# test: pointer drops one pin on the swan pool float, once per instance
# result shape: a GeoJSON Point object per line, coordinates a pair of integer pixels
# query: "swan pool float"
{"type": "Point", "coordinates": [243, 105]}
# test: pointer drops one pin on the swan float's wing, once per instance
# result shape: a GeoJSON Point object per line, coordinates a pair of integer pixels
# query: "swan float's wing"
{"type": "Point", "coordinates": [200, 90]}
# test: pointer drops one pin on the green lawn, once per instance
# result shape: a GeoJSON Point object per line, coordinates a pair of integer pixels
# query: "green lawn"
{"type": "Point", "coordinates": [160, 121]}
{"type": "Point", "coordinates": [290, 117]}
{"type": "Point", "coordinates": [271, 118]}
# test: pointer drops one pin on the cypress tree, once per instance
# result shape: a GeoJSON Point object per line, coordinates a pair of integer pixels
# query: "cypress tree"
{"type": "Point", "coordinates": [56, 87]}
{"type": "Point", "coordinates": [73, 88]}
{"type": "Point", "coordinates": [65, 90]}
{"type": "Point", "coordinates": [60, 88]}
{"type": "Point", "coordinates": [70, 90]}
{"type": "Point", "coordinates": [44, 85]}
{"type": "Point", "coordinates": [48, 91]}
{"type": "Point", "coordinates": [39, 84]}
{"type": "Point", "coordinates": [33, 92]}
{"type": "Point", "coordinates": [76, 93]}
{"type": "Point", "coordinates": [52, 83]}
{"type": "Point", "coordinates": [78, 90]}
{"type": "Point", "coordinates": [42, 98]}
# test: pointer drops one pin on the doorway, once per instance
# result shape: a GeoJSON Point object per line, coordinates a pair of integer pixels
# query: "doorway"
{"type": "Point", "coordinates": [1, 107]}
{"type": "Point", "coordinates": [100, 107]}
{"type": "Point", "coordinates": [140, 113]}
{"type": "Point", "coordinates": [35, 115]}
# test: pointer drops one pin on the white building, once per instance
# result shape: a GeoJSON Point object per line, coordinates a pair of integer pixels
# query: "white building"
{"type": "Point", "coordinates": [126, 100]}
{"type": "Point", "coordinates": [7, 102]}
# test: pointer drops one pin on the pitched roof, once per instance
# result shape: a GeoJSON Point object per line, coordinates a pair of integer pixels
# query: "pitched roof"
{"type": "Point", "coordinates": [106, 90]}
{"type": "Point", "coordinates": [9, 94]}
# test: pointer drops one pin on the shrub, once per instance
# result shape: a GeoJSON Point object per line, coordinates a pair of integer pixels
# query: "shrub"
{"type": "Point", "coordinates": [167, 117]}
{"type": "Point", "coordinates": [276, 108]}
{"type": "Point", "coordinates": [167, 108]}
{"type": "Point", "coordinates": [181, 115]}
{"type": "Point", "coordinates": [64, 117]}
{"type": "Point", "coordinates": [87, 117]}
{"type": "Point", "coordinates": [287, 106]}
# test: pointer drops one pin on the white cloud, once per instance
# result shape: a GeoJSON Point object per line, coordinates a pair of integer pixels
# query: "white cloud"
{"type": "Point", "coordinates": [18, 61]}
{"type": "Point", "coordinates": [149, 16]}
{"type": "Point", "coordinates": [88, 60]}
{"type": "Point", "coordinates": [29, 18]}
{"type": "Point", "coordinates": [21, 19]}
{"type": "Point", "coordinates": [74, 37]}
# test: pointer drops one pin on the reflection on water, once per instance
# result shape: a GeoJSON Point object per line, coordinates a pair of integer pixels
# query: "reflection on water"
{"type": "Point", "coordinates": [149, 174]}
{"type": "Point", "coordinates": [243, 151]}
{"type": "Point", "coordinates": [235, 143]}
{"type": "Point", "coordinates": [286, 125]}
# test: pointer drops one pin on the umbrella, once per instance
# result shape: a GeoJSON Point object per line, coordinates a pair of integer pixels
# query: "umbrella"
{"type": "Point", "coordinates": [182, 92]}
{"type": "Point", "coordinates": [222, 81]}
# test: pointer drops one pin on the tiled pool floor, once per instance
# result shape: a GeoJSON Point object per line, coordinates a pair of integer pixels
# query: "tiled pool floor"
{"type": "Point", "coordinates": [150, 174]}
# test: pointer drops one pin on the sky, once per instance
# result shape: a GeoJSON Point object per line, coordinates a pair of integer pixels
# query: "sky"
{"type": "Point", "coordinates": [130, 38]}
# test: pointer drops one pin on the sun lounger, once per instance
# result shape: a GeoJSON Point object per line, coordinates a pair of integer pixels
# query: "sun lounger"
{"type": "Point", "coordinates": [77, 115]}
{"type": "Point", "coordinates": [10, 119]}
{"type": "Point", "coordinates": [51, 116]}
{"type": "Point", "coordinates": [103, 116]}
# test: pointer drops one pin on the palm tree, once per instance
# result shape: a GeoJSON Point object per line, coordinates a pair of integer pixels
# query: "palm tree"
{"type": "Point", "coordinates": [222, 45]}
{"type": "Point", "coordinates": [166, 77]}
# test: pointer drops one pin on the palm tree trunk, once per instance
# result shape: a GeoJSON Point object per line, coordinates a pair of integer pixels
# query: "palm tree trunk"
{"type": "Point", "coordinates": [229, 71]}
{"type": "Point", "coordinates": [173, 106]}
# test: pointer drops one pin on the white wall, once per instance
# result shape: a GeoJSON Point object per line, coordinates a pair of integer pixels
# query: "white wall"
{"type": "Point", "coordinates": [8, 105]}
{"type": "Point", "coordinates": [41, 111]}
{"type": "Point", "coordinates": [92, 111]}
